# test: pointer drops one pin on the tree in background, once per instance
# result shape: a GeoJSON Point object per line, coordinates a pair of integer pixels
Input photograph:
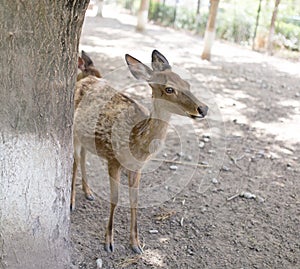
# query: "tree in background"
{"type": "Point", "coordinates": [272, 28]}
{"type": "Point", "coordinates": [39, 42]}
{"type": "Point", "coordinates": [256, 24]}
{"type": "Point", "coordinates": [142, 17]}
{"type": "Point", "coordinates": [209, 36]}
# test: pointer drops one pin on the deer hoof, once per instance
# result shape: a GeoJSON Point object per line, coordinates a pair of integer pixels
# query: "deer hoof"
{"type": "Point", "coordinates": [137, 249]}
{"type": "Point", "coordinates": [72, 207]}
{"type": "Point", "coordinates": [90, 197]}
{"type": "Point", "coordinates": [109, 247]}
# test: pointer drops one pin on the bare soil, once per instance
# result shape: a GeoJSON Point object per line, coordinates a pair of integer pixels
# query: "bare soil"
{"type": "Point", "coordinates": [240, 208]}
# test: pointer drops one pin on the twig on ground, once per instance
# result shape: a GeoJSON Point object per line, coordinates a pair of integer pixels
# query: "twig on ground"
{"type": "Point", "coordinates": [182, 163]}
{"type": "Point", "coordinates": [233, 197]}
{"type": "Point", "coordinates": [235, 160]}
{"type": "Point", "coordinates": [165, 215]}
{"type": "Point", "coordinates": [129, 261]}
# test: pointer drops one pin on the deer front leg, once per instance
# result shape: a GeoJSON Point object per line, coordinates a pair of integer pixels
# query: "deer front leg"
{"type": "Point", "coordinates": [114, 180]}
{"type": "Point", "coordinates": [86, 189]}
{"type": "Point", "coordinates": [133, 183]}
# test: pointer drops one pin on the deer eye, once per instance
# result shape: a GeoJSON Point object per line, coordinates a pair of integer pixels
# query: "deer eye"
{"type": "Point", "coordinates": [169, 90]}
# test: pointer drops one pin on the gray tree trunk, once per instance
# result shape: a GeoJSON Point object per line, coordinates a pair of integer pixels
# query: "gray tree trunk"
{"type": "Point", "coordinates": [272, 28]}
{"type": "Point", "coordinates": [256, 24]}
{"type": "Point", "coordinates": [38, 47]}
{"type": "Point", "coordinates": [142, 17]}
{"type": "Point", "coordinates": [209, 36]}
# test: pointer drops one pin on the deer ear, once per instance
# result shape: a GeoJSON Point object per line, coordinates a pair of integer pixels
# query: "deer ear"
{"type": "Point", "coordinates": [87, 60]}
{"type": "Point", "coordinates": [81, 64]}
{"type": "Point", "coordinates": [159, 62]}
{"type": "Point", "coordinates": [138, 69]}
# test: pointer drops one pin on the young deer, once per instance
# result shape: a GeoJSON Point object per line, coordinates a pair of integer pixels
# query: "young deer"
{"type": "Point", "coordinates": [86, 65]}
{"type": "Point", "coordinates": [117, 128]}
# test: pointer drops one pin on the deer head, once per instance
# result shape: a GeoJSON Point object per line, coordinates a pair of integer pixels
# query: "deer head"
{"type": "Point", "coordinates": [167, 86]}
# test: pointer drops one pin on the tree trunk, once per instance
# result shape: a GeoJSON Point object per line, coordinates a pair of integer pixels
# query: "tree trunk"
{"type": "Point", "coordinates": [272, 28]}
{"type": "Point", "coordinates": [142, 18]}
{"type": "Point", "coordinates": [100, 8]}
{"type": "Point", "coordinates": [198, 7]}
{"type": "Point", "coordinates": [209, 36]}
{"type": "Point", "coordinates": [39, 42]}
{"type": "Point", "coordinates": [256, 24]}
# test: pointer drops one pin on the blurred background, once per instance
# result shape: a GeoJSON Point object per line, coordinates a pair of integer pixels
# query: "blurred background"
{"type": "Point", "coordinates": [252, 24]}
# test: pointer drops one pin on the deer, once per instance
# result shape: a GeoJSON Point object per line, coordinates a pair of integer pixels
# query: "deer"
{"type": "Point", "coordinates": [87, 67]}
{"type": "Point", "coordinates": [117, 128]}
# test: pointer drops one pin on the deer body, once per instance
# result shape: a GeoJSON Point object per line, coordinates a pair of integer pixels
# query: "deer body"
{"type": "Point", "coordinates": [111, 125]}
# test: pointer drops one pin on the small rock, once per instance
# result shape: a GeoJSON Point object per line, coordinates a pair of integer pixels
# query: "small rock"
{"type": "Point", "coordinates": [260, 199]}
{"type": "Point", "coordinates": [261, 153]}
{"type": "Point", "coordinates": [173, 167]}
{"type": "Point", "coordinates": [190, 252]}
{"type": "Point", "coordinates": [206, 139]}
{"type": "Point", "coordinates": [288, 165]}
{"type": "Point", "coordinates": [181, 221]}
{"type": "Point", "coordinates": [201, 144]}
{"type": "Point", "coordinates": [165, 155]}
{"type": "Point", "coordinates": [99, 263]}
{"type": "Point", "coordinates": [225, 168]}
{"type": "Point", "coordinates": [180, 154]}
{"type": "Point", "coordinates": [248, 195]}
{"type": "Point", "coordinates": [211, 151]}
{"type": "Point", "coordinates": [203, 209]}
{"type": "Point", "coordinates": [204, 163]}
{"type": "Point", "coordinates": [189, 158]}
{"type": "Point", "coordinates": [214, 181]}
{"type": "Point", "coordinates": [153, 231]}
{"type": "Point", "coordinates": [297, 94]}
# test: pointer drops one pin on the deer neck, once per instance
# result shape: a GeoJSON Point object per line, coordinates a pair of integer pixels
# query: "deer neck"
{"type": "Point", "coordinates": [150, 133]}
{"type": "Point", "coordinates": [156, 125]}
{"type": "Point", "coordinates": [158, 112]}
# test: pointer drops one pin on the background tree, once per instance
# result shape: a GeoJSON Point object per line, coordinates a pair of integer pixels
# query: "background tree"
{"type": "Point", "coordinates": [256, 24]}
{"type": "Point", "coordinates": [272, 28]}
{"type": "Point", "coordinates": [198, 7]}
{"type": "Point", "coordinates": [209, 36]}
{"type": "Point", "coordinates": [39, 42]}
{"type": "Point", "coordinates": [142, 18]}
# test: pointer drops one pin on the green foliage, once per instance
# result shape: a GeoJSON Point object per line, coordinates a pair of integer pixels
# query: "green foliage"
{"type": "Point", "coordinates": [288, 34]}
{"type": "Point", "coordinates": [235, 21]}
{"type": "Point", "coordinates": [162, 14]}
{"type": "Point", "coordinates": [236, 27]}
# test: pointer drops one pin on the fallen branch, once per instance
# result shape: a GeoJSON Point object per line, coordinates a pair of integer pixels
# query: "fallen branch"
{"type": "Point", "coordinates": [182, 163]}
{"type": "Point", "coordinates": [234, 160]}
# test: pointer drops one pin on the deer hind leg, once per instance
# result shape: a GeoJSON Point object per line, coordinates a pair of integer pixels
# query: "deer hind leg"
{"type": "Point", "coordinates": [87, 191]}
{"type": "Point", "coordinates": [75, 166]}
{"type": "Point", "coordinates": [133, 183]}
{"type": "Point", "coordinates": [114, 180]}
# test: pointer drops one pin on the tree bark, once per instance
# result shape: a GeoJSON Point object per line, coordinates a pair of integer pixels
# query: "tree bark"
{"type": "Point", "coordinates": [38, 46]}
{"type": "Point", "coordinates": [272, 28]}
{"type": "Point", "coordinates": [209, 36]}
{"type": "Point", "coordinates": [256, 24]}
{"type": "Point", "coordinates": [142, 18]}
{"type": "Point", "coordinates": [198, 7]}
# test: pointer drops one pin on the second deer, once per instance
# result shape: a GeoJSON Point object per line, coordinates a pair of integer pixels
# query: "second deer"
{"type": "Point", "coordinates": [113, 126]}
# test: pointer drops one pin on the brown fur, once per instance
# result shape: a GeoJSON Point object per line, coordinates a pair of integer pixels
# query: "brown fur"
{"type": "Point", "coordinates": [120, 130]}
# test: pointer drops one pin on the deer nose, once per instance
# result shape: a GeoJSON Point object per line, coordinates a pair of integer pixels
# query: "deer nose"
{"type": "Point", "coordinates": [202, 110]}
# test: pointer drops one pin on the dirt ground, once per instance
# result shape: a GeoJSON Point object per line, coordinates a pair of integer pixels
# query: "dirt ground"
{"type": "Point", "coordinates": [240, 207]}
